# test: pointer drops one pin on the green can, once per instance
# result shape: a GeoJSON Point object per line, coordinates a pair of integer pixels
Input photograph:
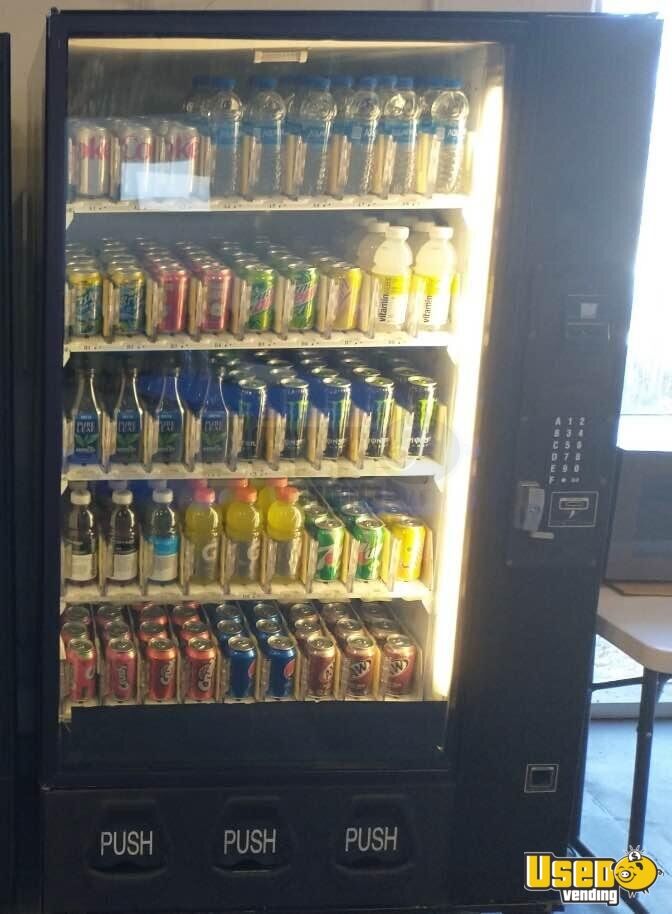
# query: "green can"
{"type": "Point", "coordinates": [261, 281]}
{"type": "Point", "coordinates": [351, 511]}
{"type": "Point", "coordinates": [85, 291]}
{"type": "Point", "coordinates": [330, 535]}
{"type": "Point", "coordinates": [305, 278]}
{"type": "Point", "coordinates": [312, 512]}
{"type": "Point", "coordinates": [419, 394]}
{"type": "Point", "coordinates": [369, 532]}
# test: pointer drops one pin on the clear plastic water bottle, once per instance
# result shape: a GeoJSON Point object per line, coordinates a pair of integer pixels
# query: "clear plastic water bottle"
{"type": "Point", "coordinates": [226, 114]}
{"type": "Point", "coordinates": [450, 111]}
{"type": "Point", "coordinates": [363, 117]}
{"type": "Point", "coordinates": [341, 90]}
{"type": "Point", "coordinates": [193, 105]}
{"type": "Point", "coordinates": [197, 113]}
{"type": "Point", "coordinates": [262, 141]}
{"type": "Point", "coordinates": [427, 155]}
{"type": "Point", "coordinates": [316, 112]}
{"type": "Point", "coordinates": [293, 150]}
{"type": "Point", "coordinates": [404, 128]}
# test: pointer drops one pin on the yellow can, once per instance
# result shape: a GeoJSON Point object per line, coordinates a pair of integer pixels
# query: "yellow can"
{"type": "Point", "coordinates": [348, 281]}
{"type": "Point", "coordinates": [410, 532]}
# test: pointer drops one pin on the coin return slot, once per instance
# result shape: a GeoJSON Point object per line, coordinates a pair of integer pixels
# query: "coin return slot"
{"type": "Point", "coordinates": [541, 779]}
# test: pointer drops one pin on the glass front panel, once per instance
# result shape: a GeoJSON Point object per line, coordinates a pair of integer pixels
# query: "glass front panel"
{"type": "Point", "coordinates": [277, 263]}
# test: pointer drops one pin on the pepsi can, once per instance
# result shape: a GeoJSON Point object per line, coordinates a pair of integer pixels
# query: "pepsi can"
{"type": "Point", "coordinates": [281, 654]}
{"type": "Point", "coordinates": [242, 657]}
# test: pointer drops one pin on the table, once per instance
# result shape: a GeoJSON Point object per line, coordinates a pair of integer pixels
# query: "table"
{"type": "Point", "coordinates": [641, 626]}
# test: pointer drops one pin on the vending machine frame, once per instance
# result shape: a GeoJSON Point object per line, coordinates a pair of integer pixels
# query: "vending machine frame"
{"type": "Point", "coordinates": [502, 780]}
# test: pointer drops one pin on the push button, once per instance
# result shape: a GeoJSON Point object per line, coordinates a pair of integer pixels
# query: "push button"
{"type": "Point", "coordinates": [128, 841]}
{"type": "Point", "coordinates": [252, 838]}
{"type": "Point", "coordinates": [376, 834]}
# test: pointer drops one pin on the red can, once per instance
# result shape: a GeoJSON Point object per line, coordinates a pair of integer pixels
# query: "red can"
{"type": "Point", "coordinates": [321, 661]}
{"type": "Point", "coordinates": [346, 627]}
{"type": "Point", "coordinates": [108, 612]}
{"type": "Point", "coordinates": [161, 659]}
{"type": "Point", "coordinates": [305, 628]}
{"type": "Point", "coordinates": [399, 656]}
{"type": "Point", "coordinates": [83, 661]}
{"type": "Point", "coordinates": [139, 608]}
{"type": "Point", "coordinates": [72, 630]}
{"type": "Point", "coordinates": [299, 611]}
{"type": "Point", "coordinates": [171, 281]}
{"type": "Point", "coordinates": [360, 652]}
{"type": "Point", "coordinates": [200, 659]}
{"type": "Point", "coordinates": [332, 612]}
{"type": "Point", "coordinates": [183, 613]}
{"type": "Point", "coordinates": [154, 613]}
{"type": "Point", "coordinates": [121, 668]}
{"type": "Point", "coordinates": [77, 613]}
{"type": "Point", "coordinates": [115, 628]}
{"type": "Point", "coordinates": [382, 629]}
{"type": "Point", "coordinates": [149, 630]}
{"type": "Point", "coordinates": [193, 629]}
{"type": "Point", "coordinates": [214, 285]}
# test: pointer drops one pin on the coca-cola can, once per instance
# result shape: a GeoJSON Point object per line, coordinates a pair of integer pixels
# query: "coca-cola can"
{"type": "Point", "coordinates": [77, 612]}
{"type": "Point", "coordinates": [115, 628]}
{"type": "Point", "coordinates": [132, 151]}
{"type": "Point", "coordinates": [184, 612]}
{"type": "Point", "coordinates": [121, 661]}
{"type": "Point", "coordinates": [108, 612]}
{"type": "Point", "coordinates": [89, 152]}
{"type": "Point", "coordinates": [210, 294]}
{"type": "Point", "coordinates": [161, 660]}
{"type": "Point", "coordinates": [321, 660]}
{"type": "Point", "coordinates": [154, 613]}
{"type": "Point", "coordinates": [82, 658]}
{"type": "Point", "coordinates": [170, 284]}
{"type": "Point", "coordinates": [72, 630]}
{"type": "Point", "coordinates": [200, 659]}
{"type": "Point", "coordinates": [149, 630]}
{"type": "Point", "coordinates": [360, 652]}
{"type": "Point", "coordinates": [399, 657]}
{"type": "Point", "coordinates": [193, 629]}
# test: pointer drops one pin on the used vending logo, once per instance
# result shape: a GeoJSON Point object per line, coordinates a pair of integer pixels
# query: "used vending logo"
{"type": "Point", "coordinates": [581, 880]}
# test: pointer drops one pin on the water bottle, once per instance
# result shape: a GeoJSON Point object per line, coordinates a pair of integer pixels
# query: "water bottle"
{"type": "Point", "coordinates": [362, 117]}
{"type": "Point", "coordinates": [402, 124]}
{"type": "Point", "coordinates": [341, 90]}
{"type": "Point", "coordinates": [449, 114]}
{"type": "Point", "coordinates": [226, 113]}
{"type": "Point", "coordinates": [392, 104]}
{"type": "Point", "coordinates": [292, 146]}
{"type": "Point", "coordinates": [315, 111]}
{"type": "Point", "coordinates": [197, 113]}
{"type": "Point", "coordinates": [262, 140]}
{"type": "Point", "coordinates": [427, 155]}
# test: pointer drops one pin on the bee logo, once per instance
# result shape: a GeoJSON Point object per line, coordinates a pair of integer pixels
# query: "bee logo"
{"type": "Point", "coordinates": [636, 872]}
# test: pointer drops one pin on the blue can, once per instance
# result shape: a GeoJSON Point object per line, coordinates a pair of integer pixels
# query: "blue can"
{"type": "Point", "coordinates": [242, 656]}
{"type": "Point", "coordinates": [251, 407]}
{"type": "Point", "coordinates": [227, 629]}
{"type": "Point", "coordinates": [281, 654]}
{"type": "Point", "coordinates": [266, 628]}
{"type": "Point", "coordinates": [229, 611]}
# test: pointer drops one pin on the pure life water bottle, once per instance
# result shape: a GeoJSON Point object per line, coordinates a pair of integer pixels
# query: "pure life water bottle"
{"type": "Point", "coordinates": [395, 147]}
{"type": "Point", "coordinates": [226, 112]}
{"type": "Point", "coordinates": [262, 141]}
{"type": "Point", "coordinates": [315, 115]}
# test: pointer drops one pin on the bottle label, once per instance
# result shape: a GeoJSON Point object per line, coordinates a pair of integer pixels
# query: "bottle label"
{"type": "Point", "coordinates": [205, 560]}
{"type": "Point", "coordinates": [214, 428]}
{"type": "Point", "coordinates": [166, 551]}
{"type": "Point", "coordinates": [315, 133]}
{"type": "Point", "coordinates": [267, 134]}
{"type": "Point", "coordinates": [434, 292]}
{"type": "Point", "coordinates": [293, 127]}
{"type": "Point", "coordinates": [124, 565]}
{"type": "Point", "coordinates": [362, 134]}
{"type": "Point", "coordinates": [339, 126]}
{"type": "Point", "coordinates": [170, 436]}
{"type": "Point", "coordinates": [449, 132]}
{"type": "Point", "coordinates": [129, 429]}
{"type": "Point", "coordinates": [402, 131]}
{"type": "Point", "coordinates": [82, 567]}
{"type": "Point", "coordinates": [87, 437]}
{"type": "Point", "coordinates": [392, 298]}
{"type": "Point", "coordinates": [226, 133]}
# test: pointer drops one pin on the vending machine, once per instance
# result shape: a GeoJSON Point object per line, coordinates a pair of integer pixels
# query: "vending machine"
{"type": "Point", "coordinates": [334, 329]}
{"type": "Point", "coordinates": [6, 525]}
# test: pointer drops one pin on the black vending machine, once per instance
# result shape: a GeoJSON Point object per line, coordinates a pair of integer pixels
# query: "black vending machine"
{"type": "Point", "coordinates": [334, 331]}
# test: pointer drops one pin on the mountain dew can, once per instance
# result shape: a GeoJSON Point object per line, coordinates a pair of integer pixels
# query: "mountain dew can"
{"type": "Point", "coordinates": [330, 533]}
{"type": "Point", "coordinates": [304, 277]}
{"type": "Point", "coordinates": [261, 282]}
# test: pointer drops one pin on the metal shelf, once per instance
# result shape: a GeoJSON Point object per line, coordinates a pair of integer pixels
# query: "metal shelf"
{"type": "Point", "coordinates": [99, 207]}
{"type": "Point", "coordinates": [420, 466]}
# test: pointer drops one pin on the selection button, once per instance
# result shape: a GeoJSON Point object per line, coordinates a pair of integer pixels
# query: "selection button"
{"type": "Point", "coordinates": [252, 839]}
{"type": "Point", "coordinates": [375, 836]}
{"type": "Point", "coordinates": [128, 841]}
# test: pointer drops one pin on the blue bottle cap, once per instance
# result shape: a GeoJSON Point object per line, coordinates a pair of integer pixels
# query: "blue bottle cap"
{"type": "Point", "coordinates": [452, 83]}
{"type": "Point", "coordinates": [405, 82]}
{"type": "Point", "coordinates": [341, 81]}
{"type": "Point", "coordinates": [318, 82]}
{"type": "Point", "coordinates": [367, 82]}
{"type": "Point", "coordinates": [264, 82]}
{"type": "Point", "coordinates": [222, 82]}
{"type": "Point", "coordinates": [387, 82]}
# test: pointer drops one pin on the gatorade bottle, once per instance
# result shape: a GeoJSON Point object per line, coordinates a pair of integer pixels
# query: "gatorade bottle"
{"type": "Point", "coordinates": [284, 526]}
{"type": "Point", "coordinates": [227, 490]}
{"type": "Point", "coordinates": [243, 529]}
{"type": "Point", "coordinates": [391, 275]}
{"type": "Point", "coordinates": [419, 235]}
{"type": "Point", "coordinates": [163, 535]}
{"type": "Point", "coordinates": [202, 528]}
{"type": "Point", "coordinates": [433, 276]}
{"type": "Point", "coordinates": [268, 494]}
{"type": "Point", "coordinates": [80, 536]}
{"type": "Point", "coordinates": [188, 492]}
{"type": "Point", "coordinates": [123, 540]}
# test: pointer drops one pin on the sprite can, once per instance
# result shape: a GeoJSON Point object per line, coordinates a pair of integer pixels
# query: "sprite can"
{"type": "Point", "coordinates": [329, 533]}
{"type": "Point", "coordinates": [369, 532]}
{"type": "Point", "coordinates": [289, 397]}
{"type": "Point", "coordinates": [336, 396]}
{"type": "Point", "coordinates": [418, 396]}
{"type": "Point", "coordinates": [85, 293]}
{"type": "Point", "coordinates": [261, 282]}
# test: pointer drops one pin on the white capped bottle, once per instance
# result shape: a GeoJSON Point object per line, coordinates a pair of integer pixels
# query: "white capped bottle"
{"type": "Point", "coordinates": [371, 241]}
{"type": "Point", "coordinates": [391, 275]}
{"type": "Point", "coordinates": [80, 537]}
{"type": "Point", "coordinates": [449, 114]}
{"type": "Point", "coordinates": [433, 274]}
{"type": "Point", "coordinates": [123, 540]}
{"type": "Point", "coordinates": [420, 234]}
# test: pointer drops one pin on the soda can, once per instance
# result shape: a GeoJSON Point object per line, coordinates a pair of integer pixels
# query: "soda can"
{"type": "Point", "coordinates": [382, 629]}
{"type": "Point", "coordinates": [161, 660]}
{"type": "Point", "coordinates": [261, 282]}
{"type": "Point", "coordinates": [107, 612]}
{"type": "Point", "coordinates": [128, 289]}
{"type": "Point", "coordinates": [330, 536]}
{"type": "Point", "coordinates": [230, 611]}
{"type": "Point", "coordinates": [89, 160]}
{"type": "Point", "coordinates": [410, 532]}
{"type": "Point", "coordinates": [341, 495]}
{"type": "Point", "coordinates": [267, 628]}
{"type": "Point", "coordinates": [266, 609]}
{"type": "Point", "coordinates": [179, 145]}
{"type": "Point", "coordinates": [171, 282]}
{"type": "Point", "coordinates": [336, 398]}
{"type": "Point", "coordinates": [390, 511]}
{"type": "Point", "coordinates": [121, 665]}
{"type": "Point", "coordinates": [154, 613]}
{"type": "Point", "coordinates": [213, 283]}
{"type": "Point", "coordinates": [281, 654]}
{"type": "Point", "coordinates": [302, 310]}
{"type": "Point", "coordinates": [184, 612]}
{"type": "Point", "coordinates": [351, 511]}
{"type": "Point", "coordinates": [348, 283]}
{"type": "Point", "coordinates": [348, 363]}
{"type": "Point", "coordinates": [193, 629]}
{"type": "Point", "coordinates": [149, 630]}
{"type": "Point", "coordinates": [84, 291]}
{"type": "Point", "coordinates": [359, 652]}
{"type": "Point", "coordinates": [298, 611]}
{"type": "Point", "coordinates": [115, 628]}
{"type": "Point", "coordinates": [361, 372]}
{"type": "Point", "coordinates": [305, 628]}
{"type": "Point", "coordinates": [82, 660]}
{"type": "Point", "coordinates": [227, 629]}
{"type": "Point", "coordinates": [242, 656]}
{"type": "Point", "coordinates": [251, 408]}
{"type": "Point", "coordinates": [369, 533]}
{"type": "Point", "coordinates": [321, 660]}
{"type": "Point", "coordinates": [200, 658]}
{"type": "Point", "coordinates": [374, 612]}
{"type": "Point", "coordinates": [132, 152]}
{"type": "Point", "coordinates": [312, 513]}
{"type": "Point", "coordinates": [346, 627]}
{"type": "Point", "coordinates": [306, 362]}
{"type": "Point", "coordinates": [399, 660]}
{"type": "Point", "coordinates": [333, 612]}
{"type": "Point", "coordinates": [374, 395]}
{"type": "Point", "coordinates": [73, 630]}
{"type": "Point", "coordinates": [77, 612]}
{"type": "Point", "coordinates": [418, 396]}
{"type": "Point", "coordinates": [289, 397]}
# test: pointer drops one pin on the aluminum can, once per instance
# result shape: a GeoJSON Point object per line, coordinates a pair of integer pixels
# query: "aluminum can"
{"type": "Point", "coordinates": [77, 612]}
{"type": "Point", "coordinates": [332, 612]}
{"type": "Point", "coordinates": [341, 494]}
{"type": "Point", "coordinates": [330, 535]}
{"type": "Point", "coordinates": [312, 513]}
{"type": "Point", "coordinates": [281, 654]}
{"type": "Point", "coordinates": [179, 144]}
{"type": "Point", "coordinates": [85, 295]}
{"type": "Point", "coordinates": [374, 395]}
{"type": "Point", "coordinates": [184, 612]}
{"type": "Point", "coordinates": [261, 281]}
{"type": "Point", "coordinates": [266, 609]}
{"type": "Point", "coordinates": [305, 628]}
{"type": "Point", "coordinates": [82, 659]}
{"type": "Point", "coordinates": [369, 533]}
{"type": "Point", "coordinates": [266, 629]}
{"type": "Point", "coordinates": [321, 660]}
{"type": "Point", "coordinates": [121, 664]}
{"type": "Point", "coordinates": [252, 408]}
{"type": "Point", "coordinates": [359, 652]}
{"type": "Point", "coordinates": [161, 659]}
{"type": "Point", "coordinates": [128, 286]}
{"type": "Point", "coordinates": [227, 629]}
{"type": "Point", "coordinates": [336, 397]}
{"type": "Point", "coordinates": [289, 397]}
{"type": "Point", "coordinates": [107, 612]}
{"type": "Point", "coordinates": [410, 531]}
{"type": "Point", "coordinates": [343, 628]}
{"type": "Point", "coordinates": [229, 611]}
{"type": "Point", "coordinates": [131, 161]}
{"type": "Point", "coordinates": [73, 630]}
{"type": "Point", "coordinates": [154, 613]}
{"type": "Point", "coordinates": [399, 660]}
{"type": "Point", "coordinates": [90, 155]}
{"type": "Point", "coordinates": [348, 282]}
{"type": "Point", "coordinates": [115, 628]}
{"type": "Point", "coordinates": [418, 396]}
{"type": "Point", "coordinates": [150, 630]}
{"type": "Point", "coordinates": [304, 277]}
{"type": "Point", "coordinates": [172, 281]}
{"type": "Point", "coordinates": [193, 629]}
{"type": "Point", "coordinates": [351, 511]}
{"type": "Point", "coordinates": [373, 612]}
{"type": "Point", "coordinates": [199, 662]}
{"type": "Point", "coordinates": [298, 611]}
{"type": "Point", "coordinates": [242, 656]}
{"type": "Point", "coordinates": [382, 629]}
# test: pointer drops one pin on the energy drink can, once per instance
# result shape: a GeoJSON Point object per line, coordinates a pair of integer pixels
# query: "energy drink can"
{"type": "Point", "coordinates": [418, 396]}
{"type": "Point", "coordinates": [251, 407]}
{"type": "Point", "coordinates": [289, 398]}
{"type": "Point", "coordinates": [374, 395]}
{"type": "Point", "coordinates": [336, 393]}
